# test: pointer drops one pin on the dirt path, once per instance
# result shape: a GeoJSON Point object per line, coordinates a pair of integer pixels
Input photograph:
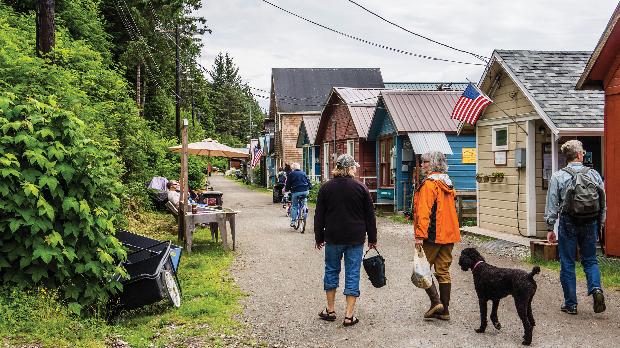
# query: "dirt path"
{"type": "Point", "coordinates": [282, 274]}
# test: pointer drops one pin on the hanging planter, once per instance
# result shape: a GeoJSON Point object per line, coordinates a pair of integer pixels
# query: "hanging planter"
{"type": "Point", "coordinates": [492, 178]}
{"type": "Point", "coordinates": [485, 178]}
{"type": "Point", "coordinates": [479, 177]}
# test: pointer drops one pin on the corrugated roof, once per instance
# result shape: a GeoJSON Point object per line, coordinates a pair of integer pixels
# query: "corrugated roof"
{"type": "Point", "coordinates": [359, 96]}
{"type": "Point", "coordinates": [549, 77]}
{"type": "Point", "coordinates": [307, 89]}
{"type": "Point", "coordinates": [311, 123]}
{"type": "Point", "coordinates": [421, 111]}
{"type": "Point", "coordinates": [427, 86]}
{"type": "Point", "coordinates": [423, 142]}
{"type": "Point", "coordinates": [362, 117]}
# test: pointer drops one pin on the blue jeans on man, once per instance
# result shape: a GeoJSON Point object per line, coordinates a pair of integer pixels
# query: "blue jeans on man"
{"type": "Point", "coordinates": [353, 255]}
{"type": "Point", "coordinates": [295, 203]}
{"type": "Point", "coordinates": [572, 234]}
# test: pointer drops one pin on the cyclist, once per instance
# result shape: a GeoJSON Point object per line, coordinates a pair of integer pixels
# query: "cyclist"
{"type": "Point", "coordinates": [298, 184]}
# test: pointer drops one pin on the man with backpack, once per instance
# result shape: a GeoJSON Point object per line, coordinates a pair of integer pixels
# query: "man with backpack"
{"type": "Point", "coordinates": [576, 194]}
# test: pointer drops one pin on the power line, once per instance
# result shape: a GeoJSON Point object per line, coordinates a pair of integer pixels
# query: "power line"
{"type": "Point", "coordinates": [369, 42]}
{"type": "Point", "coordinates": [482, 58]}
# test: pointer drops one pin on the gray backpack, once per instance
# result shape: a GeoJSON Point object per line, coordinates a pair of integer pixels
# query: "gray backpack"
{"type": "Point", "coordinates": [582, 197]}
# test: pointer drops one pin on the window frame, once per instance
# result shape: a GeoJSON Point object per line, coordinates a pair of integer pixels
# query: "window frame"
{"type": "Point", "coordinates": [494, 132]}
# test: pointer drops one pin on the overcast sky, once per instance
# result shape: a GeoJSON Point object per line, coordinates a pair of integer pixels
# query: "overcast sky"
{"type": "Point", "coordinates": [260, 37]}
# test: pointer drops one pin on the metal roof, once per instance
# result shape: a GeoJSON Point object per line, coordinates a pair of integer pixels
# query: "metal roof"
{"type": "Point", "coordinates": [307, 89]}
{"type": "Point", "coordinates": [311, 124]}
{"type": "Point", "coordinates": [548, 79]}
{"type": "Point", "coordinates": [427, 86]}
{"type": "Point", "coordinates": [359, 96]}
{"type": "Point", "coordinates": [421, 111]}
{"type": "Point", "coordinates": [423, 142]}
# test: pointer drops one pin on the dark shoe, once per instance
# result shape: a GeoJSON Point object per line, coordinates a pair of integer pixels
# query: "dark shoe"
{"type": "Point", "coordinates": [436, 305]}
{"type": "Point", "coordinates": [351, 321]}
{"type": "Point", "coordinates": [570, 310]}
{"type": "Point", "coordinates": [444, 293]}
{"type": "Point", "coordinates": [293, 224]}
{"type": "Point", "coordinates": [327, 315]}
{"type": "Point", "coordinates": [599, 301]}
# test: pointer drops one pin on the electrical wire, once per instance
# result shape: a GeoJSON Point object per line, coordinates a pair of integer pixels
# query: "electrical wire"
{"type": "Point", "coordinates": [482, 58]}
{"type": "Point", "coordinates": [367, 41]}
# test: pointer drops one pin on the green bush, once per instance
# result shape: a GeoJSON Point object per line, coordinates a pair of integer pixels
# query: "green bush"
{"type": "Point", "coordinates": [59, 202]}
{"type": "Point", "coordinates": [314, 192]}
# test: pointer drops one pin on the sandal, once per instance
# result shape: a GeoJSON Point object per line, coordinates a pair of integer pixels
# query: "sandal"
{"type": "Point", "coordinates": [327, 315]}
{"type": "Point", "coordinates": [352, 321]}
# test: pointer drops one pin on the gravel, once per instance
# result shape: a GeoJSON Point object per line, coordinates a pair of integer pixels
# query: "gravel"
{"type": "Point", "coordinates": [282, 274]}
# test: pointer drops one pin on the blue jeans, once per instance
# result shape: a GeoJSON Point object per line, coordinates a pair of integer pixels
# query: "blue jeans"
{"type": "Point", "coordinates": [294, 204]}
{"type": "Point", "coordinates": [570, 236]}
{"type": "Point", "coordinates": [352, 263]}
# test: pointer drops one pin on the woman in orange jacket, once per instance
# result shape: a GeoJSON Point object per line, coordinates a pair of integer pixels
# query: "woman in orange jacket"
{"type": "Point", "coordinates": [436, 228]}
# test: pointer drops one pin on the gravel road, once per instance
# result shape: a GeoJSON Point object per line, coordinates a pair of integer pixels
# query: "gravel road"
{"type": "Point", "coordinates": [282, 274]}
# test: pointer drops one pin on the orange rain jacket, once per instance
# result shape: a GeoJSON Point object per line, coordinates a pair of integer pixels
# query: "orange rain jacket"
{"type": "Point", "coordinates": [435, 216]}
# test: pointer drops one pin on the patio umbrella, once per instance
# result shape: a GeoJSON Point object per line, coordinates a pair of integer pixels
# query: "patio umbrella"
{"type": "Point", "coordinates": [210, 147]}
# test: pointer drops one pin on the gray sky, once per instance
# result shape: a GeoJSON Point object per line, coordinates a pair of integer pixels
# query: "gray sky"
{"type": "Point", "coordinates": [260, 37]}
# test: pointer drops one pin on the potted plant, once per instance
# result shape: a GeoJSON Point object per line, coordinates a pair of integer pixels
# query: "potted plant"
{"type": "Point", "coordinates": [499, 176]}
{"type": "Point", "coordinates": [492, 177]}
{"type": "Point", "coordinates": [479, 177]}
{"type": "Point", "coordinates": [485, 178]}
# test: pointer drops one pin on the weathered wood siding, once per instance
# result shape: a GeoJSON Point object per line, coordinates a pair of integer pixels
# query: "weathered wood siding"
{"type": "Point", "coordinates": [290, 131]}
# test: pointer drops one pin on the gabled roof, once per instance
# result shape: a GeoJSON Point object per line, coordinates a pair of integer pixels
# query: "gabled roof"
{"type": "Point", "coordinates": [311, 125]}
{"type": "Point", "coordinates": [603, 56]}
{"type": "Point", "coordinates": [421, 111]}
{"type": "Point", "coordinates": [548, 78]}
{"type": "Point", "coordinates": [360, 102]}
{"type": "Point", "coordinates": [427, 86]}
{"type": "Point", "coordinates": [307, 89]}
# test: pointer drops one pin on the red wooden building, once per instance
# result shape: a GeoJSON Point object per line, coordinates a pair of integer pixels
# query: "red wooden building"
{"type": "Point", "coordinates": [603, 73]}
{"type": "Point", "coordinates": [343, 128]}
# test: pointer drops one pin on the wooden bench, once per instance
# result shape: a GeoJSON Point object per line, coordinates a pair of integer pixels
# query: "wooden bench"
{"type": "Point", "coordinates": [466, 205]}
{"type": "Point", "coordinates": [543, 250]}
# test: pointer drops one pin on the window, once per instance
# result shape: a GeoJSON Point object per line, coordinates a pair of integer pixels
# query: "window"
{"type": "Point", "coordinates": [386, 176]}
{"type": "Point", "coordinates": [351, 147]}
{"type": "Point", "coordinates": [325, 161]}
{"type": "Point", "coordinates": [500, 138]}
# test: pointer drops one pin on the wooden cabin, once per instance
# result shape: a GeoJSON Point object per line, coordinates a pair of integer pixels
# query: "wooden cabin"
{"type": "Point", "coordinates": [311, 150]}
{"type": "Point", "coordinates": [535, 109]}
{"type": "Point", "coordinates": [343, 128]}
{"type": "Point", "coordinates": [407, 124]}
{"type": "Point", "coordinates": [602, 73]}
{"type": "Point", "coordinates": [300, 92]}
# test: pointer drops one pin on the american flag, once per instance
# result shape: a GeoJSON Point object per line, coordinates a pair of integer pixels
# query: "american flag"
{"type": "Point", "coordinates": [258, 152]}
{"type": "Point", "coordinates": [470, 105]}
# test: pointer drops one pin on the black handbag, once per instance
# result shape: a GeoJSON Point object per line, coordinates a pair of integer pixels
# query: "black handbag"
{"type": "Point", "coordinates": [375, 269]}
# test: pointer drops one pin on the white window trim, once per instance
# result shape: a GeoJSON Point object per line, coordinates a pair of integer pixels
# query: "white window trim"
{"type": "Point", "coordinates": [325, 161]}
{"type": "Point", "coordinates": [351, 147]}
{"type": "Point", "coordinates": [494, 130]}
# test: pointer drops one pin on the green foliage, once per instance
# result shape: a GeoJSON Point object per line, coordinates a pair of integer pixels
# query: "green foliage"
{"type": "Point", "coordinates": [59, 197]}
{"type": "Point", "coordinates": [314, 192]}
{"type": "Point", "coordinates": [39, 316]}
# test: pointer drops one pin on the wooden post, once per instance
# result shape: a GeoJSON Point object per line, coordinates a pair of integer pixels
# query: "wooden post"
{"type": "Point", "coordinates": [184, 187]}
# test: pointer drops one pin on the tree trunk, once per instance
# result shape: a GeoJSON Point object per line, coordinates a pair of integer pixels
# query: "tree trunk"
{"type": "Point", "coordinates": [138, 95]}
{"type": "Point", "coordinates": [46, 36]}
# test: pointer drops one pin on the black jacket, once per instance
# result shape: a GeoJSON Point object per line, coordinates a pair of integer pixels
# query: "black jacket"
{"type": "Point", "coordinates": [344, 213]}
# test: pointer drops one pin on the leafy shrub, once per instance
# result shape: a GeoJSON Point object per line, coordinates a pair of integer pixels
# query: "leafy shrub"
{"type": "Point", "coordinates": [314, 192]}
{"type": "Point", "coordinates": [58, 203]}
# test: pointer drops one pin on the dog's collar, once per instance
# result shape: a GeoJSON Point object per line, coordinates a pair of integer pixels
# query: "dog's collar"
{"type": "Point", "coordinates": [476, 265]}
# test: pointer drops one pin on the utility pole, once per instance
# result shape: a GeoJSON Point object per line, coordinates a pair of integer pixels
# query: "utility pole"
{"type": "Point", "coordinates": [45, 36]}
{"type": "Point", "coordinates": [191, 87]}
{"type": "Point", "coordinates": [251, 150]}
{"type": "Point", "coordinates": [177, 87]}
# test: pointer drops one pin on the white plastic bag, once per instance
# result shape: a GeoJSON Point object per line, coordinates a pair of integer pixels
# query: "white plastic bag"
{"type": "Point", "coordinates": [421, 276]}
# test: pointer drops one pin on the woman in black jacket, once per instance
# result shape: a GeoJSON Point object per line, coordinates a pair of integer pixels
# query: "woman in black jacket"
{"type": "Point", "coordinates": [344, 216]}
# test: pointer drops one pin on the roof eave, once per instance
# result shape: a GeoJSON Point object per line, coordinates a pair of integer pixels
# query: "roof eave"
{"type": "Point", "coordinates": [566, 132]}
{"type": "Point", "coordinates": [584, 81]}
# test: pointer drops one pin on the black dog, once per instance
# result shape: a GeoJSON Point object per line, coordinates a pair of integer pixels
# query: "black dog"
{"type": "Point", "coordinates": [494, 283]}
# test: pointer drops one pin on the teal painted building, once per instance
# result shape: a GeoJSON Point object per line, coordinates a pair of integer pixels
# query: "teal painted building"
{"type": "Point", "coordinates": [407, 124]}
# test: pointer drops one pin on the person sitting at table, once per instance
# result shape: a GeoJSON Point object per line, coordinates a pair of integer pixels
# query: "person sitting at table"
{"type": "Point", "coordinates": [173, 195]}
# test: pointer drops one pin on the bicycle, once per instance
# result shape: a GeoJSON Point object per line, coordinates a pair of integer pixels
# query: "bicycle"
{"type": "Point", "coordinates": [286, 203]}
{"type": "Point", "coordinates": [302, 213]}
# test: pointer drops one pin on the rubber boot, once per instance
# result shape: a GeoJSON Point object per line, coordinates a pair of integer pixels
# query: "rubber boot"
{"type": "Point", "coordinates": [444, 293]}
{"type": "Point", "coordinates": [436, 305]}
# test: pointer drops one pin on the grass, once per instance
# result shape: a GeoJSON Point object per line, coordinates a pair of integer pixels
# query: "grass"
{"type": "Point", "coordinates": [610, 270]}
{"type": "Point", "coordinates": [210, 302]}
{"type": "Point", "coordinates": [399, 218]}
